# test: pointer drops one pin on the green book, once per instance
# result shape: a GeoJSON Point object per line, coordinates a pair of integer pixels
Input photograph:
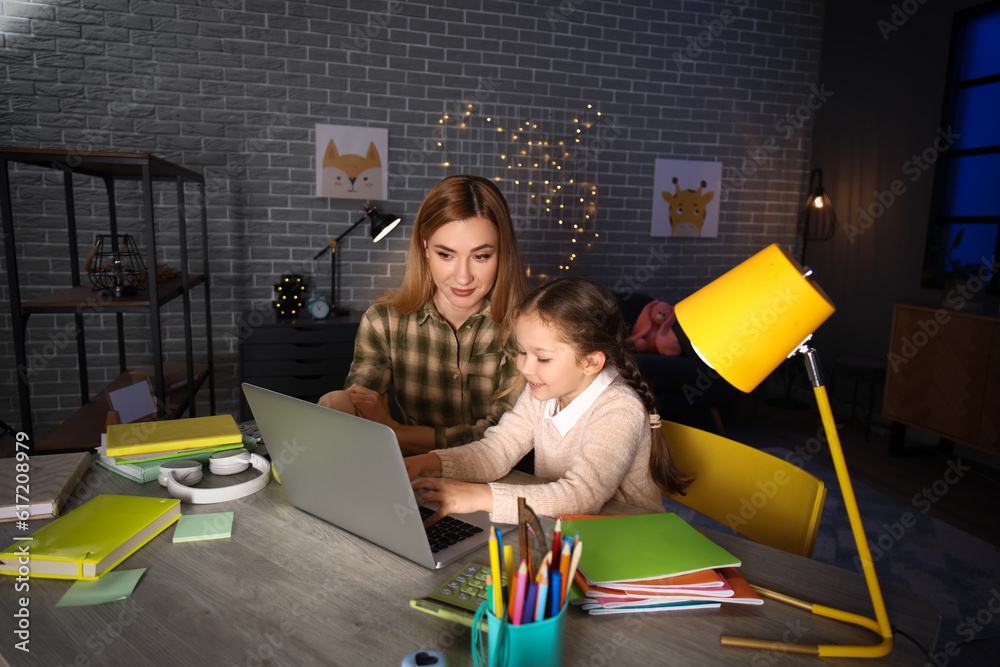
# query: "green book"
{"type": "Point", "coordinates": [134, 473]}
{"type": "Point", "coordinates": [176, 454]}
{"type": "Point", "coordinates": [644, 546]}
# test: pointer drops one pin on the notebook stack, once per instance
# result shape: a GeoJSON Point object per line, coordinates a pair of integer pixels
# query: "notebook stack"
{"type": "Point", "coordinates": [652, 562]}
{"type": "Point", "coordinates": [138, 450]}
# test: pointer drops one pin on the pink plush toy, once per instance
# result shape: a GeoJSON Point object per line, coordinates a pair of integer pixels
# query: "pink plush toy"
{"type": "Point", "coordinates": [653, 331]}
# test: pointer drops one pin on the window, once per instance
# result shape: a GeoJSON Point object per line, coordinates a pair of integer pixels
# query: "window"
{"type": "Point", "coordinates": [962, 241]}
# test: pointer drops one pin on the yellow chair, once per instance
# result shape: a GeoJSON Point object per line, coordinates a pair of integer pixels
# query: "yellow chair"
{"type": "Point", "coordinates": [758, 495]}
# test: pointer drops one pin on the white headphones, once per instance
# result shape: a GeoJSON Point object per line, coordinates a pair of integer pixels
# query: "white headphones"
{"type": "Point", "coordinates": [178, 475]}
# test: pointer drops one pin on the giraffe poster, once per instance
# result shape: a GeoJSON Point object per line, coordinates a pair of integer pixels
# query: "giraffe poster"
{"type": "Point", "coordinates": [686, 196]}
{"type": "Point", "coordinates": [352, 162]}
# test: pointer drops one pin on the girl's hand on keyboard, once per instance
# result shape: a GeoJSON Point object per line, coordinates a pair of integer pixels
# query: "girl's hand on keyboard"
{"type": "Point", "coordinates": [455, 497]}
{"type": "Point", "coordinates": [422, 465]}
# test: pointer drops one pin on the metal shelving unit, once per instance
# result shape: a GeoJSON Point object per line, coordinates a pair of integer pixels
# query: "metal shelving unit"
{"type": "Point", "coordinates": [83, 428]}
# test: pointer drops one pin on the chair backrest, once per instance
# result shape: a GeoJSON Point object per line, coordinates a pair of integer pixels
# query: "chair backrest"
{"type": "Point", "coordinates": [758, 495]}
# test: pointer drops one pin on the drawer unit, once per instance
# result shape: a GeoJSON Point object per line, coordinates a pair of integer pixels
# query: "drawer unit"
{"type": "Point", "coordinates": [304, 358]}
{"type": "Point", "coordinates": [944, 375]}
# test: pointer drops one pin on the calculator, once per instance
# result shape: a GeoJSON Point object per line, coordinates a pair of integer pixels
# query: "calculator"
{"type": "Point", "coordinates": [458, 598]}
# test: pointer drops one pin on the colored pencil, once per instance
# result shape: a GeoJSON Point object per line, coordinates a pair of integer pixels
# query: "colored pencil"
{"type": "Point", "coordinates": [564, 559]}
{"type": "Point", "coordinates": [543, 591]}
{"type": "Point", "coordinates": [508, 564]}
{"type": "Point", "coordinates": [530, 602]}
{"type": "Point", "coordinates": [556, 535]}
{"type": "Point", "coordinates": [496, 572]}
{"type": "Point", "coordinates": [517, 605]}
{"type": "Point", "coordinates": [544, 569]}
{"type": "Point", "coordinates": [573, 563]}
{"type": "Point", "coordinates": [555, 585]}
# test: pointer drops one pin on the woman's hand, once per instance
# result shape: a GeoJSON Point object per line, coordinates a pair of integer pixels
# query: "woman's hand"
{"type": "Point", "coordinates": [422, 465]}
{"type": "Point", "coordinates": [371, 405]}
{"type": "Point", "coordinates": [455, 497]}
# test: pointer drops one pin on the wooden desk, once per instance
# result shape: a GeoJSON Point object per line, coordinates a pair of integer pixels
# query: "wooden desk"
{"type": "Point", "coordinates": [290, 589]}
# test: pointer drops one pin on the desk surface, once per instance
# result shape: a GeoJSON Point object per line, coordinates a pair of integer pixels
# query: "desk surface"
{"type": "Point", "coordinates": [290, 589]}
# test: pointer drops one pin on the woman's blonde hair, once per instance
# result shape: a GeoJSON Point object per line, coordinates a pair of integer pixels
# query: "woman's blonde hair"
{"type": "Point", "coordinates": [461, 197]}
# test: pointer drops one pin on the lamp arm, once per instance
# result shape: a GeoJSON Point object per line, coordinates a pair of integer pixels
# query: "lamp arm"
{"type": "Point", "coordinates": [850, 501]}
{"type": "Point", "coordinates": [813, 369]}
{"type": "Point", "coordinates": [351, 228]}
{"type": "Point", "coordinates": [332, 245]}
{"type": "Point", "coordinates": [880, 624]}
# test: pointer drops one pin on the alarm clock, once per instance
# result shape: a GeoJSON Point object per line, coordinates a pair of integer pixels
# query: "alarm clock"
{"type": "Point", "coordinates": [318, 307]}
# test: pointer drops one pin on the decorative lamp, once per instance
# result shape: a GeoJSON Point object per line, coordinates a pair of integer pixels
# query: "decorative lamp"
{"type": "Point", "coordinates": [817, 219]}
{"type": "Point", "coordinates": [115, 265]}
{"type": "Point", "coordinates": [290, 288]}
{"type": "Point", "coordinates": [381, 225]}
{"type": "Point", "coordinates": [744, 324]}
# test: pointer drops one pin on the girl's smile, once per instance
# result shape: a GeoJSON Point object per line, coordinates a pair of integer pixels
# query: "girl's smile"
{"type": "Point", "coordinates": [550, 365]}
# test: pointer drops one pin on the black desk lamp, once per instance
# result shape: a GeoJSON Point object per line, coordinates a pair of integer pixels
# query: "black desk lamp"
{"type": "Point", "coordinates": [382, 224]}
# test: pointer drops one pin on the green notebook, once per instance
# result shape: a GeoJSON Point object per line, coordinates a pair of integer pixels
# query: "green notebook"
{"type": "Point", "coordinates": [92, 539]}
{"type": "Point", "coordinates": [644, 546]}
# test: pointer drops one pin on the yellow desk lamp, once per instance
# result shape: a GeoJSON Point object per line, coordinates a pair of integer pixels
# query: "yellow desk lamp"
{"type": "Point", "coordinates": [744, 324]}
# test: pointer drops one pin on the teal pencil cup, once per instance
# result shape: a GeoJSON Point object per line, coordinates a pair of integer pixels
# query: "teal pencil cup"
{"type": "Point", "coordinates": [538, 644]}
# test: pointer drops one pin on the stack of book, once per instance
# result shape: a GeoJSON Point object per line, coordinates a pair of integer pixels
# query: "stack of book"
{"type": "Point", "coordinates": [138, 450]}
{"type": "Point", "coordinates": [652, 562]}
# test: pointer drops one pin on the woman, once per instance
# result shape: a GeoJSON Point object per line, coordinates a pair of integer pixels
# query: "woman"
{"type": "Point", "coordinates": [439, 339]}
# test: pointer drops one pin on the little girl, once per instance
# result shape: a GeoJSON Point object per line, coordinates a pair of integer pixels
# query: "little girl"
{"type": "Point", "coordinates": [586, 411]}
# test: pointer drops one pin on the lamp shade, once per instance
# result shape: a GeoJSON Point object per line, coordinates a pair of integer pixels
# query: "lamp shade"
{"type": "Point", "coordinates": [382, 224]}
{"type": "Point", "coordinates": [749, 320]}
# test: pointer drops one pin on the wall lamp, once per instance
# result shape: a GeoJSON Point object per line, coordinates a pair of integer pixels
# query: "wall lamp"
{"type": "Point", "coordinates": [817, 219]}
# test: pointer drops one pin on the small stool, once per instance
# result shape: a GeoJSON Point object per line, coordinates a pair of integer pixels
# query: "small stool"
{"type": "Point", "coordinates": [861, 369]}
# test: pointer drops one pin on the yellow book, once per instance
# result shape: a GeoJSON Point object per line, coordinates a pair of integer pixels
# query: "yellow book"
{"type": "Point", "coordinates": [90, 540]}
{"type": "Point", "coordinates": [172, 434]}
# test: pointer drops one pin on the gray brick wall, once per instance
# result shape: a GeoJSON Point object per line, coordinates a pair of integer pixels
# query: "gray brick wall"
{"type": "Point", "coordinates": [234, 89]}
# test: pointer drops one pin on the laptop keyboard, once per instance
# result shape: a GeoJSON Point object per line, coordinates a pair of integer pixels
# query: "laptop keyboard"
{"type": "Point", "coordinates": [447, 531]}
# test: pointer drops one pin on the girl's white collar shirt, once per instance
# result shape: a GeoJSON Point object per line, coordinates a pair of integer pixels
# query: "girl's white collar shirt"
{"type": "Point", "coordinates": [566, 419]}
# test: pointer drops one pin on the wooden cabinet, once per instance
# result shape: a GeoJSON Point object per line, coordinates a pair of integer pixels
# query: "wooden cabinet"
{"type": "Point", "coordinates": [301, 357]}
{"type": "Point", "coordinates": [84, 427]}
{"type": "Point", "coordinates": [944, 374]}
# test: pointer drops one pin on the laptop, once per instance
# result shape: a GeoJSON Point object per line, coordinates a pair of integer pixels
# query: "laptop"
{"type": "Point", "coordinates": [349, 472]}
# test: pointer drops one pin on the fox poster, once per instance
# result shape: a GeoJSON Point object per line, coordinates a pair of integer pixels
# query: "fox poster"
{"type": "Point", "coordinates": [352, 162]}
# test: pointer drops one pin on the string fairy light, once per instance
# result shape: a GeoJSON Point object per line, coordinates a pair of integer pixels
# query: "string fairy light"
{"type": "Point", "coordinates": [545, 171]}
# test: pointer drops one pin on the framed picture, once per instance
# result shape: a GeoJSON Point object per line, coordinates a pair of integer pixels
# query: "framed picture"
{"type": "Point", "coordinates": [352, 162]}
{"type": "Point", "coordinates": [686, 198]}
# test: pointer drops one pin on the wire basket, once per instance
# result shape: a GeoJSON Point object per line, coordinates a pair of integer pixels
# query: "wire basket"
{"type": "Point", "coordinates": [115, 265]}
